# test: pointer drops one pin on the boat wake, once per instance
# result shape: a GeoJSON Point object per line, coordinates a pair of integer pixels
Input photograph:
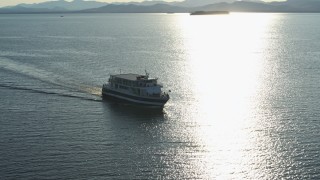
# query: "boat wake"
{"type": "Point", "coordinates": [51, 93]}
{"type": "Point", "coordinates": [59, 85]}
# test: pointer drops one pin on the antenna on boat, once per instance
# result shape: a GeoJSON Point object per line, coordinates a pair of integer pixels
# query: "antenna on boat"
{"type": "Point", "coordinates": [147, 74]}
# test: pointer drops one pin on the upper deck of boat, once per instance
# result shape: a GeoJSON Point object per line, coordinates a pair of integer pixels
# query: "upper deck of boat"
{"type": "Point", "coordinates": [132, 77]}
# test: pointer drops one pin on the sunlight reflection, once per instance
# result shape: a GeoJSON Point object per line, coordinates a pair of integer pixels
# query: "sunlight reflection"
{"type": "Point", "coordinates": [226, 62]}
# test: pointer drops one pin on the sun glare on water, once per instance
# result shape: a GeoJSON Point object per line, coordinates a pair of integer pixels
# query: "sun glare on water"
{"type": "Point", "coordinates": [226, 60]}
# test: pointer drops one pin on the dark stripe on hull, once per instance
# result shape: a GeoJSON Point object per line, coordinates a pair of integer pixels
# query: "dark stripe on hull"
{"type": "Point", "coordinates": [123, 101]}
{"type": "Point", "coordinates": [133, 99]}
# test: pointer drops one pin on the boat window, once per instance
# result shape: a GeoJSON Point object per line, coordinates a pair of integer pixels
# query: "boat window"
{"type": "Point", "coordinates": [123, 87]}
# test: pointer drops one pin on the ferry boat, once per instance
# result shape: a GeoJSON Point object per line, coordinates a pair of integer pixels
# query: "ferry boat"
{"type": "Point", "coordinates": [135, 88]}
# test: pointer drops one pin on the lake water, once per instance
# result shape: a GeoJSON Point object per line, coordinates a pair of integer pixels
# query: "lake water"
{"type": "Point", "coordinates": [245, 96]}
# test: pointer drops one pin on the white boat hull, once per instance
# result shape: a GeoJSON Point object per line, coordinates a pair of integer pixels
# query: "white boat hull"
{"type": "Point", "coordinates": [146, 101]}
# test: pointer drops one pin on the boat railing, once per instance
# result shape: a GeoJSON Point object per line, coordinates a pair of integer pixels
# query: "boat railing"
{"type": "Point", "coordinates": [105, 85]}
{"type": "Point", "coordinates": [164, 95]}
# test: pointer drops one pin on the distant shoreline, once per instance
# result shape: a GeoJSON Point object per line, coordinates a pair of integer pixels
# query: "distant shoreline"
{"type": "Point", "coordinates": [63, 12]}
{"type": "Point", "coordinates": [289, 6]}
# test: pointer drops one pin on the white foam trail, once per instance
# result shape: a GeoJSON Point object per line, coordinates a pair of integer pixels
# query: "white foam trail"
{"type": "Point", "coordinates": [46, 76]}
{"type": "Point", "coordinates": [29, 54]}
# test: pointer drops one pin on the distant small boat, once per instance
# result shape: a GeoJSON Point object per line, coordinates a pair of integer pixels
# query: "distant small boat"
{"type": "Point", "coordinates": [209, 12]}
{"type": "Point", "coordinates": [135, 88]}
{"type": "Point", "coordinates": [61, 16]}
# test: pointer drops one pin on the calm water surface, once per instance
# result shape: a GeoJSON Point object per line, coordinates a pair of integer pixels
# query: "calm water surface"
{"type": "Point", "coordinates": [245, 96]}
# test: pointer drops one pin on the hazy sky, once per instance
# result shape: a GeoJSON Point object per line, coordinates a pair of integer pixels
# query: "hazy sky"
{"type": "Point", "coordinates": [15, 2]}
